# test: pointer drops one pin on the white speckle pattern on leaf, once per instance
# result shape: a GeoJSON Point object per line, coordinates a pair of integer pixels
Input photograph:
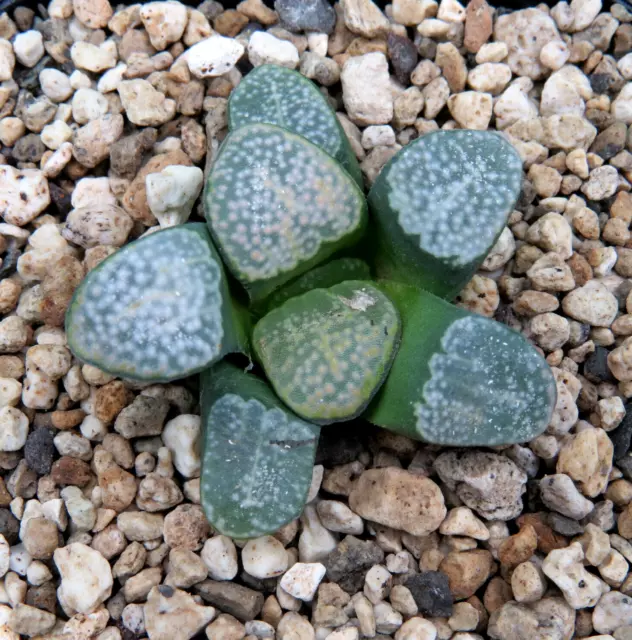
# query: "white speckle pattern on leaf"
{"type": "Point", "coordinates": [257, 466]}
{"type": "Point", "coordinates": [327, 351]}
{"type": "Point", "coordinates": [274, 199]}
{"type": "Point", "coordinates": [454, 190]}
{"type": "Point", "coordinates": [153, 310]}
{"type": "Point", "coordinates": [280, 96]}
{"type": "Point", "coordinates": [488, 378]}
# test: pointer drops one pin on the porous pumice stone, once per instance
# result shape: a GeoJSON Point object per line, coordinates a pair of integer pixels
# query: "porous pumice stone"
{"type": "Point", "coordinates": [440, 204]}
{"type": "Point", "coordinates": [281, 96]}
{"type": "Point", "coordinates": [258, 456]}
{"type": "Point", "coordinates": [155, 309]}
{"type": "Point", "coordinates": [460, 379]}
{"type": "Point", "coordinates": [278, 205]}
{"type": "Point", "coordinates": [327, 351]}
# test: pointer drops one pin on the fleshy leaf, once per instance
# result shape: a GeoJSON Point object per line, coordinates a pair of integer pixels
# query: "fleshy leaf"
{"type": "Point", "coordinates": [277, 205]}
{"type": "Point", "coordinates": [321, 277]}
{"type": "Point", "coordinates": [327, 351]}
{"type": "Point", "coordinates": [158, 309]}
{"type": "Point", "coordinates": [281, 96]}
{"type": "Point", "coordinates": [460, 379]}
{"type": "Point", "coordinates": [258, 456]}
{"type": "Point", "coordinates": [440, 204]}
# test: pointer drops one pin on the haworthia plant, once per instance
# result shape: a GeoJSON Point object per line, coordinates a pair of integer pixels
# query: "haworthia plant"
{"type": "Point", "coordinates": [280, 96]}
{"type": "Point", "coordinates": [322, 277]}
{"type": "Point", "coordinates": [258, 456]}
{"type": "Point", "coordinates": [157, 309]}
{"type": "Point", "coordinates": [461, 379]}
{"type": "Point", "coordinates": [440, 203]}
{"type": "Point", "coordinates": [327, 351]}
{"type": "Point", "coordinates": [278, 205]}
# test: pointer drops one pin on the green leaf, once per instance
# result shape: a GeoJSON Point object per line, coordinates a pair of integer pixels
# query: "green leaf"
{"type": "Point", "coordinates": [277, 205]}
{"type": "Point", "coordinates": [158, 309]}
{"type": "Point", "coordinates": [258, 457]}
{"type": "Point", "coordinates": [327, 351]}
{"type": "Point", "coordinates": [440, 204]}
{"type": "Point", "coordinates": [460, 379]}
{"type": "Point", "coordinates": [321, 277]}
{"type": "Point", "coordinates": [276, 95]}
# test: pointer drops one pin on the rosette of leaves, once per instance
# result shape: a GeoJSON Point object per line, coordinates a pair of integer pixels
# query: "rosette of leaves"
{"type": "Point", "coordinates": [156, 310]}
{"type": "Point", "coordinates": [278, 205]}
{"type": "Point", "coordinates": [440, 204]}
{"type": "Point", "coordinates": [331, 342]}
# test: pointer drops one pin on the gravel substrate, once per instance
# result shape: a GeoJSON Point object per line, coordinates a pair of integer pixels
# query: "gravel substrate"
{"type": "Point", "coordinates": [101, 531]}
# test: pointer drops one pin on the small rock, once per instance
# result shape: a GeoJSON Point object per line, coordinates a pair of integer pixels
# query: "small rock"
{"type": "Point", "coordinates": [7, 60]}
{"type": "Point", "coordinates": [140, 526]}
{"type": "Point", "coordinates": [488, 483]}
{"type": "Point", "coordinates": [144, 417]}
{"type": "Point", "coordinates": [40, 538]}
{"type": "Point", "coordinates": [564, 567]}
{"type": "Point", "coordinates": [518, 548]}
{"type": "Point", "coordinates": [592, 304]}
{"type": "Point", "coordinates": [94, 14]}
{"type": "Point", "coordinates": [220, 556]}
{"type": "Point", "coordinates": [431, 592]}
{"type": "Point", "coordinates": [560, 494]}
{"type": "Point", "coordinates": [602, 183]}
{"type": "Point", "coordinates": [238, 601]}
{"type": "Point", "coordinates": [612, 611]}
{"type": "Point", "coordinates": [264, 557]}
{"type": "Point", "coordinates": [86, 578]}
{"type": "Point", "coordinates": [30, 621]}
{"type": "Point", "coordinates": [14, 428]}
{"type": "Point", "coordinates": [348, 564]}
{"type": "Point", "coordinates": [144, 105]}
{"type": "Point", "coordinates": [186, 527]}
{"type": "Point", "coordinates": [164, 22]}
{"type": "Point", "coordinates": [364, 18]}
{"type": "Point", "coordinates": [92, 142]}
{"type": "Point", "coordinates": [264, 48]}
{"type": "Point", "coordinates": [29, 48]}
{"type": "Point", "coordinates": [366, 89]}
{"type": "Point", "coordinates": [478, 25]}
{"type": "Point", "coordinates": [226, 627]}
{"type": "Point", "coordinates": [467, 571]}
{"type": "Point", "coordinates": [213, 56]}
{"type": "Point", "coordinates": [403, 56]}
{"type": "Point", "coordinates": [336, 516]}
{"type": "Point", "coordinates": [171, 613]}
{"type": "Point", "coordinates": [471, 109]}
{"type": "Point", "coordinates": [310, 15]}
{"type": "Point", "coordinates": [399, 499]}
{"type": "Point", "coordinates": [525, 32]}
{"type": "Point", "coordinates": [24, 194]}
{"type": "Point", "coordinates": [172, 193]}
{"type": "Point", "coordinates": [302, 579]}
{"type": "Point", "coordinates": [93, 58]}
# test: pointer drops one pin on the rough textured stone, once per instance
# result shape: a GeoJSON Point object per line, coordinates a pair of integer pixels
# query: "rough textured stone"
{"type": "Point", "coordinates": [348, 564]}
{"type": "Point", "coordinates": [431, 592]}
{"type": "Point", "coordinates": [238, 601]}
{"type": "Point", "coordinates": [399, 499]}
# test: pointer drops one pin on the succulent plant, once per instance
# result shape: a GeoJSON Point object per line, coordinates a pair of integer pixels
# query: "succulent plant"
{"type": "Point", "coordinates": [347, 316]}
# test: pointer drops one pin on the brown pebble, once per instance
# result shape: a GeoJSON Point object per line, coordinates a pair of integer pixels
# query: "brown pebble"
{"type": "Point", "coordinates": [467, 571]}
{"type": "Point", "coordinates": [498, 592]}
{"type": "Point", "coordinates": [110, 400]}
{"type": "Point", "coordinates": [581, 270]}
{"type": "Point", "coordinates": [67, 419]}
{"type": "Point", "coordinates": [230, 23]}
{"type": "Point", "coordinates": [44, 597]}
{"type": "Point", "coordinates": [11, 367]}
{"type": "Point", "coordinates": [478, 25]}
{"type": "Point", "coordinates": [518, 548]}
{"type": "Point", "coordinates": [548, 540]}
{"type": "Point", "coordinates": [58, 287]}
{"type": "Point", "coordinates": [624, 523]}
{"type": "Point", "coordinates": [67, 470]}
{"type": "Point", "coordinates": [186, 527]}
